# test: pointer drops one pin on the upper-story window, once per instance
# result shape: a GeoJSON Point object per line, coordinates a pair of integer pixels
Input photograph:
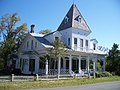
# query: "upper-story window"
{"type": "Point", "coordinates": [86, 43]}
{"type": "Point", "coordinates": [35, 44]}
{"type": "Point", "coordinates": [94, 46]}
{"type": "Point", "coordinates": [32, 44]}
{"type": "Point", "coordinates": [75, 41]}
{"type": "Point", "coordinates": [27, 44]}
{"type": "Point", "coordinates": [81, 44]}
{"type": "Point", "coordinates": [68, 41]}
{"type": "Point", "coordinates": [56, 38]}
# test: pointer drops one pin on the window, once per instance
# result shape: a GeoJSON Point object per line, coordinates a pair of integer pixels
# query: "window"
{"type": "Point", "coordinates": [75, 41]}
{"type": "Point", "coordinates": [35, 44]}
{"type": "Point", "coordinates": [61, 62]}
{"type": "Point", "coordinates": [32, 65]}
{"type": "Point", "coordinates": [20, 62]}
{"type": "Point", "coordinates": [86, 43]}
{"type": "Point", "coordinates": [56, 38]}
{"type": "Point", "coordinates": [79, 18]}
{"type": "Point", "coordinates": [81, 42]}
{"type": "Point", "coordinates": [94, 46]}
{"type": "Point", "coordinates": [27, 44]}
{"type": "Point", "coordinates": [66, 19]}
{"type": "Point", "coordinates": [83, 64]}
{"type": "Point", "coordinates": [32, 44]}
{"type": "Point", "coordinates": [69, 41]}
{"type": "Point", "coordinates": [42, 62]}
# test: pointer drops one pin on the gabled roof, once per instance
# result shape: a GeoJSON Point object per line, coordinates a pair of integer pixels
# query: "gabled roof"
{"type": "Point", "coordinates": [42, 40]}
{"type": "Point", "coordinates": [74, 19]}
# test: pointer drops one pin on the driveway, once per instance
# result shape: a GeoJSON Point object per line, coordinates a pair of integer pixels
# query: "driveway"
{"type": "Point", "coordinates": [99, 86]}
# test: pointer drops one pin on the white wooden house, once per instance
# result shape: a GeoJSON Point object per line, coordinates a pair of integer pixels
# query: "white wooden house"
{"type": "Point", "coordinates": [75, 33]}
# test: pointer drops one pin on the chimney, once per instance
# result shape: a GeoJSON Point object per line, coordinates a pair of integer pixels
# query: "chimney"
{"type": "Point", "coordinates": [32, 28]}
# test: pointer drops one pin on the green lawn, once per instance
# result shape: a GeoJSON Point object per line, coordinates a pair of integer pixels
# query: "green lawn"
{"type": "Point", "coordinates": [57, 83]}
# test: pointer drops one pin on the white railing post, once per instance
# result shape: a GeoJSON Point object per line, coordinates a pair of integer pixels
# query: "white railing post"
{"type": "Point", "coordinates": [12, 77]}
{"type": "Point", "coordinates": [36, 77]}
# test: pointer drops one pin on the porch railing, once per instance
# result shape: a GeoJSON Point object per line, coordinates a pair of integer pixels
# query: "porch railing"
{"type": "Point", "coordinates": [54, 71]}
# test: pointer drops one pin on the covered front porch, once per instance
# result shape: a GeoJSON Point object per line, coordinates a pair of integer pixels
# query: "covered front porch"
{"type": "Point", "coordinates": [73, 64]}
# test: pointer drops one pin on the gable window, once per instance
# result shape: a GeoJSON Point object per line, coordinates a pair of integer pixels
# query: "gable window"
{"type": "Point", "coordinates": [79, 18]}
{"type": "Point", "coordinates": [35, 44]}
{"type": "Point", "coordinates": [27, 44]}
{"type": "Point", "coordinates": [32, 44]}
{"type": "Point", "coordinates": [75, 41]}
{"type": "Point", "coordinates": [68, 41]}
{"type": "Point", "coordinates": [94, 46]}
{"type": "Point", "coordinates": [66, 19]}
{"type": "Point", "coordinates": [56, 38]}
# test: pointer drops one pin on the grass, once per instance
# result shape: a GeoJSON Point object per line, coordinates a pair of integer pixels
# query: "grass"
{"type": "Point", "coordinates": [50, 84]}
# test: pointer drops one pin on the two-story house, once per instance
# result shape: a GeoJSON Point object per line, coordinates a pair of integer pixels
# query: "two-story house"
{"type": "Point", "coordinates": [74, 32]}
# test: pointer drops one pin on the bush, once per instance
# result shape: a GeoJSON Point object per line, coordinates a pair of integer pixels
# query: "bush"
{"type": "Point", "coordinates": [103, 74]}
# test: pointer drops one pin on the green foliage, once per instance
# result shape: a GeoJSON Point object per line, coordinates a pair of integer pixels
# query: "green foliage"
{"type": "Point", "coordinates": [57, 50]}
{"type": "Point", "coordinates": [47, 31]}
{"type": "Point", "coordinates": [10, 35]}
{"type": "Point", "coordinates": [103, 74]}
{"type": "Point", "coordinates": [113, 60]}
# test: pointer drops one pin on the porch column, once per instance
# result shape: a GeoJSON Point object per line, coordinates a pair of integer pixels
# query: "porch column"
{"type": "Point", "coordinates": [79, 64]}
{"type": "Point", "coordinates": [88, 69]}
{"type": "Point", "coordinates": [70, 64]}
{"type": "Point", "coordinates": [46, 67]}
{"type": "Point", "coordinates": [94, 65]}
{"type": "Point", "coordinates": [104, 64]}
{"type": "Point", "coordinates": [59, 63]}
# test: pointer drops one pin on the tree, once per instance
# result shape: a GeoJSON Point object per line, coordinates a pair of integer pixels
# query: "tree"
{"type": "Point", "coordinates": [58, 51]}
{"type": "Point", "coordinates": [47, 31]}
{"type": "Point", "coordinates": [10, 34]}
{"type": "Point", "coordinates": [113, 60]}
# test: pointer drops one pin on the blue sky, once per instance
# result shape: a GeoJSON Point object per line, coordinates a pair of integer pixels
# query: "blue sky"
{"type": "Point", "coordinates": [102, 16]}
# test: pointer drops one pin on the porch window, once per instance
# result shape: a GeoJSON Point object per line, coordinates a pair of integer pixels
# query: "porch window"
{"type": "Point", "coordinates": [61, 62]}
{"type": "Point", "coordinates": [20, 62]}
{"type": "Point", "coordinates": [83, 64]}
{"type": "Point", "coordinates": [42, 63]}
{"type": "Point", "coordinates": [32, 65]}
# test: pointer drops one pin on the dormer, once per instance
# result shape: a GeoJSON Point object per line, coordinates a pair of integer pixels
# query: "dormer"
{"type": "Point", "coordinates": [51, 37]}
{"type": "Point", "coordinates": [93, 43]}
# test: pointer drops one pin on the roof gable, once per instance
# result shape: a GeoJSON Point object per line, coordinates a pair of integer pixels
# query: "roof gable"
{"type": "Point", "coordinates": [74, 19]}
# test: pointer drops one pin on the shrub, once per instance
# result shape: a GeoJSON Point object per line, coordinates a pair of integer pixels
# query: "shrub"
{"type": "Point", "coordinates": [103, 74]}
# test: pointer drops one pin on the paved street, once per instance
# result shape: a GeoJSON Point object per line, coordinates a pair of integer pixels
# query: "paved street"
{"type": "Point", "coordinates": [99, 86]}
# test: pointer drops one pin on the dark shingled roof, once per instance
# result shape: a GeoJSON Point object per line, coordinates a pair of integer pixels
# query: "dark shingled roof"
{"type": "Point", "coordinates": [42, 40]}
{"type": "Point", "coordinates": [74, 19]}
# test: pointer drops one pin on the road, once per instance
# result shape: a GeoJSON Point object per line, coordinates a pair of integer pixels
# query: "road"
{"type": "Point", "coordinates": [99, 86]}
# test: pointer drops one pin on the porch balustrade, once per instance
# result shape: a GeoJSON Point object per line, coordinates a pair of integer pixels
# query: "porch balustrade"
{"type": "Point", "coordinates": [54, 71]}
